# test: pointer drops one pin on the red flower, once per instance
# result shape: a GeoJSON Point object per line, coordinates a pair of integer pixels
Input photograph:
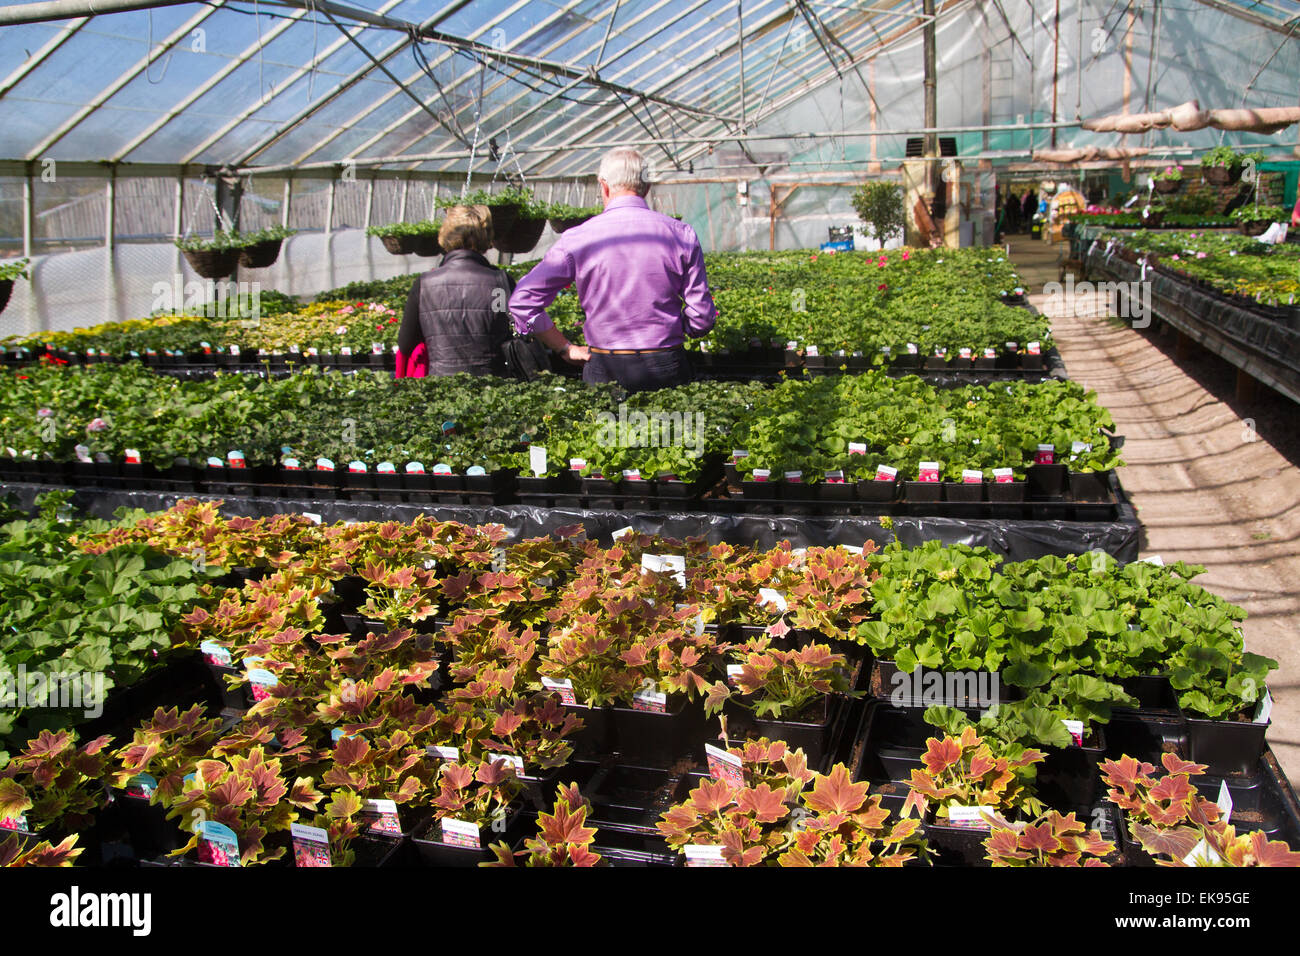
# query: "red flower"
{"type": "Point", "coordinates": [882, 287]}
{"type": "Point", "coordinates": [379, 327]}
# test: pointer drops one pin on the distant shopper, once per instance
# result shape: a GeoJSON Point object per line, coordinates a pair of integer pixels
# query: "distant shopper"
{"type": "Point", "coordinates": [459, 311]}
{"type": "Point", "coordinates": [640, 278]}
{"type": "Point", "coordinates": [1011, 217]}
{"type": "Point", "coordinates": [1029, 208]}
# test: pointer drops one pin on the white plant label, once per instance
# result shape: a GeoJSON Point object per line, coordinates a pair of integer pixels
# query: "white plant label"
{"type": "Point", "coordinates": [972, 476]}
{"type": "Point", "coordinates": [674, 564]}
{"type": "Point", "coordinates": [774, 598]}
{"type": "Point", "coordinates": [562, 687]}
{"type": "Point", "coordinates": [704, 855]}
{"type": "Point", "coordinates": [969, 817]}
{"type": "Point", "coordinates": [537, 460]}
{"type": "Point", "coordinates": [1003, 475]}
{"type": "Point", "coordinates": [1075, 727]}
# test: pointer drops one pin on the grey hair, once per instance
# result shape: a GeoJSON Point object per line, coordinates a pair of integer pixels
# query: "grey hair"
{"type": "Point", "coordinates": [625, 168]}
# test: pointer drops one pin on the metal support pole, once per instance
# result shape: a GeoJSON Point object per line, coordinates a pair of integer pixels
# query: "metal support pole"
{"type": "Point", "coordinates": [329, 207]}
{"type": "Point", "coordinates": [1056, 62]}
{"type": "Point", "coordinates": [178, 214]}
{"type": "Point", "coordinates": [110, 208]}
{"type": "Point", "coordinates": [29, 217]}
{"type": "Point", "coordinates": [740, 45]}
{"type": "Point", "coordinates": [401, 206]}
{"type": "Point", "coordinates": [370, 197]}
{"type": "Point", "coordinates": [285, 203]}
{"type": "Point", "coordinates": [931, 92]}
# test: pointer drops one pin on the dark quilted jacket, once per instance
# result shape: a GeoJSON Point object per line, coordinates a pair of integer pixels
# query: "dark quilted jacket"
{"type": "Point", "coordinates": [454, 308]}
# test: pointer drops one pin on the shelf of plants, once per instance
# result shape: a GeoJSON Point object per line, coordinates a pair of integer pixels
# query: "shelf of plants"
{"type": "Point", "coordinates": [938, 312]}
{"type": "Point", "coordinates": [387, 693]}
{"type": "Point", "coordinates": [1232, 294]}
{"type": "Point", "coordinates": [847, 444]}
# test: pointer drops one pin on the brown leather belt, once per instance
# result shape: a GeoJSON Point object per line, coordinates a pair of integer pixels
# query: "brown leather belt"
{"type": "Point", "coordinates": [670, 348]}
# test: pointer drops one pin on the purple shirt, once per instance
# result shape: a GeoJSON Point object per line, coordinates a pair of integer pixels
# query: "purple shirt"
{"type": "Point", "coordinates": [639, 275]}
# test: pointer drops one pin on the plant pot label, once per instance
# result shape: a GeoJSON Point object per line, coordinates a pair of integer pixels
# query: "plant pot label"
{"type": "Point", "coordinates": [737, 454]}
{"type": "Point", "coordinates": [386, 468]}
{"type": "Point", "coordinates": [964, 353]}
{"type": "Point", "coordinates": [886, 473]}
{"type": "Point", "coordinates": [990, 353]}
{"type": "Point", "coordinates": [628, 529]}
{"type": "Point", "coordinates": [1154, 559]}
{"type": "Point", "coordinates": [812, 352]}
{"type": "Point", "coordinates": [733, 673]}
{"type": "Point", "coordinates": [311, 845]}
{"type": "Point", "coordinates": [1075, 727]}
{"type": "Point", "coordinates": [260, 683]}
{"type": "Point", "coordinates": [1013, 346]}
{"type": "Point", "coordinates": [1265, 708]}
{"type": "Point", "coordinates": [512, 760]}
{"type": "Point", "coordinates": [442, 468]}
{"type": "Point", "coordinates": [1034, 348]}
{"type": "Point", "coordinates": [141, 785]}
{"type": "Point", "coordinates": [929, 471]}
{"type": "Point", "coordinates": [133, 456]}
{"type": "Point", "coordinates": [971, 818]}
{"type": "Point", "coordinates": [324, 464]}
{"type": "Point", "coordinates": [632, 474]}
{"type": "Point", "coordinates": [705, 855]}
{"type": "Point", "coordinates": [381, 816]}
{"type": "Point", "coordinates": [376, 348]}
{"type": "Point", "coordinates": [16, 823]}
{"type": "Point", "coordinates": [461, 833]}
{"type": "Point", "coordinates": [213, 462]}
{"type": "Point", "coordinates": [475, 471]}
{"type": "Point", "coordinates": [414, 468]}
{"type": "Point", "coordinates": [857, 448]}
{"type": "Point", "coordinates": [562, 687]}
{"type": "Point", "coordinates": [1202, 855]}
{"type": "Point", "coordinates": [795, 477]}
{"type": "Point", "coordinates": [1078, 448]}
{"type": "Point", "coordinates": [537, 460]}
{"type": "Point", "coordinates": [312, 352]}
{"type": "Point", "coordinates": [648, 700]}
{"type": "Point", "coordinates": [674, 564]}
{"type": "Point", "coordinates": [762, 474]}
{"type": "Point", "coordinates": [346, 350]}
{"type": "Point", "coordinates": [218, 844]}
{"type": "Point", "coordinates": [940, 353]}
{"type": "Point", "coordinates": [357, 467]}
{"type": "Point", "coordinates": [234, 350]}
{"type": "Point", "coordinates": [972, 476]}
{"type": "Point", "coordinates": [236, 459]}
{"type": "Point", "coordinates": [312, 517]}
{"type": "Point", "coordinates": [215, 654]}
{"type": "Point", "coordinates": [774, 598]}
{"type": "Point", "coordinates": [1045, 455]}
{"type": "Point", "coordinates": [1224, 801]}
{"type": "Point", "coordinates": [292, 464]}
{"type": "Point", "coordinates": [912, 349]}
{"type": "Point", "coordinates": [448, 754]}
{"type": "Point", "coordinates": [724, 765]}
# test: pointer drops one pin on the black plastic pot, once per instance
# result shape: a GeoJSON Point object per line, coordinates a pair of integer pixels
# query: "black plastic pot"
{"type": "Point", "coordinates": [1090, 485]}
{"type": "Point", "coordinates": [1046, 481]}
{"type": "Point", "coordinates": [1226, 747]}
{"type": "Point", "coordinates": [956, 846]}
{"type": "Point", "coordinates": [963, 491]}
{"type": "Point", "coordinates": [922, 491]}
{"type": "Point", "coordinates": [809, 730]}
{"type": "Point", "coordinates": [1006, 491]}
{"type": "Point", "coordinates": [879, 491]}
{"type": "Point", "coordinates": [432, 851]}
{"type": "Point", "coordinates": [1068, 777]}
{"type": "Point", "coordinates": [150, 832]}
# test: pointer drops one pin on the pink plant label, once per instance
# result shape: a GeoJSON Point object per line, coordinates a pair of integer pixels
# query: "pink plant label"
{"type": "Point", "coordinates": [972, 476]}
{"type": "Point", "coordinates": [1045, 455]}
{"type": "Point", "coordinates": [562, 687]}
{"type": "Point", "coordinates": [461, 833]}
{"type": "Point", "coordinates": [381, 816]}
{"type": "Point", "coordinates": [857, 448]}
{"type": "Point", "coordinates": [724, 765]}
{"type": "Point", "coordinates": [1003, 475]}
{"type": "Point", "coordinates": [886, 473]}
{"type": "Point", "coordinates": [311, 846]}
{"type": "Point", "coordinates": [929, 471]}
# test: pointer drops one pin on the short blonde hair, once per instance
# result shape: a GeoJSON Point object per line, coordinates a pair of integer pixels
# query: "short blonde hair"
{"type": "Point", "coordinates": [625, 168]}
{"type": "Point", "coordinates": [466, 227]}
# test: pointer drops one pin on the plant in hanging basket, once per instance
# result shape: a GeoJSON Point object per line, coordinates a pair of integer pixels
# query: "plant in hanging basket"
{"type": "Point", "coordinates": [262, 248]}
{"type": "Point", "coordinates": [563, 217]}
{"type": "Point", "coordinates": [1169, 179]}
{"type": "Point", "coordinates": [9, 272]}
{"type": "Point", "coordinates": [1253, 220]}
{"type": "Point", "coordinates": [1050, 840]}
{"type": "Point", "coordinates": [213, 258]}
{"type": "Point", "coordinates": [563, 838]}
{"type": "Point", "coordinates": [409, 238]}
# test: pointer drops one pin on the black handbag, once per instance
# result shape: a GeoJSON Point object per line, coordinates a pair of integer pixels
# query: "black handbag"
{"type": "Point", "coordinates": [525, 357]}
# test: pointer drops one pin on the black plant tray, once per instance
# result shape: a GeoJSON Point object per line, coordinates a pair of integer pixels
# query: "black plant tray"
{"type": "Point", "coordinates": [627, 801]}
{"type": "Point", "coordinates": [641, 738]}
{"type": "Point", "coordinates": [1068, 777]}
{"type": "Point", "coordinates": [431, 851]}
{"type": "Point", "coordinates": [810, 730]}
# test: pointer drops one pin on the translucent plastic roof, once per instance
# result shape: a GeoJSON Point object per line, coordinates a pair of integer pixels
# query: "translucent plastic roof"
{"type": "Point", "coordinates": [544, 83]}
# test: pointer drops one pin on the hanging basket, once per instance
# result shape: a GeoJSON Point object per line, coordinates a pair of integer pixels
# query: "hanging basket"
{"type": "Point", "coordinates": [560, 225]}
{"type": "Point", "coordinates": [426, 245]}
{"type": "Point", "coordinates": [261, 255]}
{"type": "Point", "coordinates": [1221, 175]}
{"type": "Point", "coordinates": [212, 263]}
{"type": "Point", "coordinates": [1168, 185]}
{"type": "Point", "coordinates": [6, 290]}
{"type": "Point", "coordinates": [504, 217]}
{"type": "Point", "coordinates": [521, 237]}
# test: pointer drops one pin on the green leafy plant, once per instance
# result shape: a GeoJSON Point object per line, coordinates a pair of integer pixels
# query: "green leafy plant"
{"type": "Point", "coordinates": [777, 683]}
{"type": "Point", "coordinates": [15, 269]}
{"type": "Point", "coordinates": [962, 771]}
{"type": "Point", "coordinates": [880, 206]}
{"type": "Point", "coordinates": [425, 227]}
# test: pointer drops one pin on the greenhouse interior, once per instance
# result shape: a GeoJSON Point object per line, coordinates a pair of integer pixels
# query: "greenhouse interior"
{"type": "Point", "coordinates": [649, 434]}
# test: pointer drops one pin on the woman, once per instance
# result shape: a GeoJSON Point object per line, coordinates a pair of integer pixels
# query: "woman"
{"type": "Point", "coordinates": [459, 311]}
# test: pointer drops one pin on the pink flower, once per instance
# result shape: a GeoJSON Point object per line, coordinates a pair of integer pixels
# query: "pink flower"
{"type": "Point", "coordinates": [44, 413]}
{"type": "Point", "coordinates": [906, 255]}
{"type": "Point", "coordinates": [1200, 255]}
{"type": "Point", "coordinates": [1175, 258]}
{"type": "Point", "coordinates": [813, 257]}
{"type": "Point", "coordinates": [97, 425]}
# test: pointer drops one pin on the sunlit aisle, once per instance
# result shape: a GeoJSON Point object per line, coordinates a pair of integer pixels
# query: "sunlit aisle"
{"type": "Point", "coordinates": [1214, 480]}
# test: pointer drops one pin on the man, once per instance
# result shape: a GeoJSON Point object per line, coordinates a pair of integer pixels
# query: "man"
{"type": "Point", "coordinates": [640, 278]}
